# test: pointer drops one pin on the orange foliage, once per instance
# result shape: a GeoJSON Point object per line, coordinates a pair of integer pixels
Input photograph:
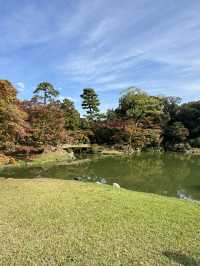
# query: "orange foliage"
{"type": "Point", "coordinates": [6, 160]}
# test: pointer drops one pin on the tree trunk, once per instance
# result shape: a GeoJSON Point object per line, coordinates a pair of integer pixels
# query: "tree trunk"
{"type": "Point", "coordinates": [45, 97]}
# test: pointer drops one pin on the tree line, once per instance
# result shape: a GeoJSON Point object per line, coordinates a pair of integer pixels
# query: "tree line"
{"type": "Point", "coordinates": [139, 122]}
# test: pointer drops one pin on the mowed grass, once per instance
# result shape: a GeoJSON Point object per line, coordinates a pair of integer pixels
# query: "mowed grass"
{"type": "Point", "coordinates": [57, 222]}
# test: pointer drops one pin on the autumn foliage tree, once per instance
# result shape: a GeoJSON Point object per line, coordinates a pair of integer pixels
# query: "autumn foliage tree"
{"type": "Point", "coordinates": [140, 120]}
{"type": "Point", "coordinates": [142, 117]}
{"type": "Point", "coordinates": [47, 123]}
{"type": "Point", "coordinates": [13, 125]}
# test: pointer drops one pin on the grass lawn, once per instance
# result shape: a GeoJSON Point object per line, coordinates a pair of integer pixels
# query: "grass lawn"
{"type": "Point", "coordinates": [57, 222]}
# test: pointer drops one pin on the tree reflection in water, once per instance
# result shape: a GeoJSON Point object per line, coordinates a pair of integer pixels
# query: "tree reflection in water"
{"type": "Point", "coordinates": [168, 174]}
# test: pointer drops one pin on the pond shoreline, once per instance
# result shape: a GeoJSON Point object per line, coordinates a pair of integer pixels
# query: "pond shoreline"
{"type": "Point", "coordinates": [67, 157]}
{"type": "Point", "coordinates": [168, 174]}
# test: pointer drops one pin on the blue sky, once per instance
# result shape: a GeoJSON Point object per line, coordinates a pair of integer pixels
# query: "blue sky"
{"type": "Point", "coordinates": [105, 44]}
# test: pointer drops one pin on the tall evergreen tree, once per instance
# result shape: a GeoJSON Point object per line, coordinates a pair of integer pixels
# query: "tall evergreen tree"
{"type": "Point", "coordinates": [90, 103]}
{"type": "Point", "coordinates": [47, 90]}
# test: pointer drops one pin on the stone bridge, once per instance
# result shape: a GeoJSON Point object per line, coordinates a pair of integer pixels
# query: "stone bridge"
{"type": "Point", "coordinates": [79, 148]}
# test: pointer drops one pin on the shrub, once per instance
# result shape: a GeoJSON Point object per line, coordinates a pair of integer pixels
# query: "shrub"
{"type": "Point", "coordinates": [195, 142]}
{"type": "Point", "coordinates": [6, 160]}
{"type": "Point", "coordinates": [176, 132]}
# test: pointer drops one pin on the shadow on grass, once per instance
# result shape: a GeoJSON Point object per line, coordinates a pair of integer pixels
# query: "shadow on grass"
{"type": "Point", "coordinates": [181, 258]}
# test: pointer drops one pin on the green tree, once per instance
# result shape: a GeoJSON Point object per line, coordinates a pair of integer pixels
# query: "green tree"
{"type": "Point", "coordinates": [176, 137]}
{"type": "Point", "coordinates": [141, 107]}
{"type": "Point", "coordinates": [45, 92]}
{"type": "Point", "coordinates": [90, 103]}
{"type": "Point", "coordinates": [71, 115]}
{"type": "Point", "coordinates": [171, 106]}
{"type": "Point", "coordinates": [189, 115]}
{"type": "Point", "coordinates": [176, 133]}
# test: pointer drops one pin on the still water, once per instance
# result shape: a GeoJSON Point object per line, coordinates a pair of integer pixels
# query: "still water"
{"type": "Point", "coordinates": [166, 174]}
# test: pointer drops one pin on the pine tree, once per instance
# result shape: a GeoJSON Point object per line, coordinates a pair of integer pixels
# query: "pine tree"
{"type": "Point", "coordinates": [90, 103]}
{"type": "Point", "coordinates": [47, 90]}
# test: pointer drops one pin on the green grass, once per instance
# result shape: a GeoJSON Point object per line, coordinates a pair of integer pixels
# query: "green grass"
{"type": "Point", "coordinates": [56, 222]}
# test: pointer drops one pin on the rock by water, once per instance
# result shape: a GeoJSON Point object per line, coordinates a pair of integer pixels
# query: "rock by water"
{"type": "Point", "coordinates": [115, 185]}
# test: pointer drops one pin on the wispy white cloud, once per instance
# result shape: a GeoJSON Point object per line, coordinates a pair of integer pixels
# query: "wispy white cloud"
{"type": "Point", "coordinates": [62, 98]}
{"type": "Point", "coordinates": [102, 31]}
{"type": "Point", "coordinates": [163, 53]}
{"type": "Point", "coordinates": [105, 44]}
{"type": "Point", "coordinates": [20, 86]}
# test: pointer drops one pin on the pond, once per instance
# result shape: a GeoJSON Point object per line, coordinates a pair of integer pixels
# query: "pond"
{"type": "Point", "coordinates": [168, 174]}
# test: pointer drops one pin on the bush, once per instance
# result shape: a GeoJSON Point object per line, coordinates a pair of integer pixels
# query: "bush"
{"type": "Point", "coordinates": [176, 133]}
{"type": "Point", "coordinates": [178, 147]}
{"type": "Point", "coordinates": [78, 137]}
{"type": "Point", "coordinates": [107, 135]}
{"type": "Point", "coordinates": [4, 160]}
{"type": "Point", "coordinates": [195, 142]}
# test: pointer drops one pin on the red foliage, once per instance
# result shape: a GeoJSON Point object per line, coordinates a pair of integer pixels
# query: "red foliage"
{"type": "Point", "coordinates": [47, 122]}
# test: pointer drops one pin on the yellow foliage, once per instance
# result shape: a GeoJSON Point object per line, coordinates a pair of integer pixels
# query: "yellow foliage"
{"type": "Point", "coordinates": [6, 160]}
